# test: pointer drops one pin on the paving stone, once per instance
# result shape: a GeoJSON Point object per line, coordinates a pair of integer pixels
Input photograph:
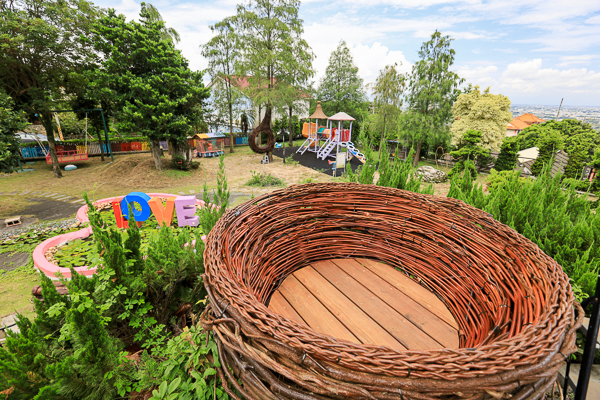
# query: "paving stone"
{"type": "Point", "coordinates": [79, 201]}
{"type": "Point", "coordinates": [1, 193]}
{"type": "Point", "coordinates": [182, 193]}
{"type": "Point", "coordinates": [11, 193]}
{"type": "Point", "coordinates": [192, 191]}
{"type": "Point", "coordinates": [25, 192]}
{"type": "Point", "coordinates": [65, 198]}
{"type": "Point", "coordinates": [10, 320]}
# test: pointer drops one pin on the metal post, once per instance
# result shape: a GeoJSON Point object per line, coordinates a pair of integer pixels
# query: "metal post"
{"type": "Point", "coordinates": [590, 346]}
{"type": "Point", "coordinates": [106, 136]}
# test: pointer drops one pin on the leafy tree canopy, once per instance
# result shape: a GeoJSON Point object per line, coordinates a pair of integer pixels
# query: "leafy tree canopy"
{"type": "Point", "coordinates": [42, 43]}
{"type": "Point", "coordinates": [573, 132]}
{"type": "Point", "coordinates": [387, 93]}
{"type": "Point", "coordinates": [432, 90]}
{"type": "Point", "coordinates": [488, 113]}
{"type": "Point", "coordinates": [341, 89]}
{"type": "Point", "coordinates": [10, 122]}
{"type": "Point", "coordinates": [148, 78]}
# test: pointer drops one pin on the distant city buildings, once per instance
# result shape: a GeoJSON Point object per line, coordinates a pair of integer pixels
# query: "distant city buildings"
{"type": "Point", "coordinates": [587, 114]}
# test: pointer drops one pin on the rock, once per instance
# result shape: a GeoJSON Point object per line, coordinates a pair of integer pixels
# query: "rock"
{"type": "Point", "coordinates": [430, 174]}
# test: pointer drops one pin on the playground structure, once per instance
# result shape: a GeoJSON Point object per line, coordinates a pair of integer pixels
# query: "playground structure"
{"type": "Point", "coordinates": [81, 153]}
{"type": "Point", "coordinates": [326, 141]}
{"type": "Point", "coordinates": [210, 144]}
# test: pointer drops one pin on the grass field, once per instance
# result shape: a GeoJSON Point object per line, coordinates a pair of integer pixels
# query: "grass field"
{"type": "Point", "coordinates": [135, 172]}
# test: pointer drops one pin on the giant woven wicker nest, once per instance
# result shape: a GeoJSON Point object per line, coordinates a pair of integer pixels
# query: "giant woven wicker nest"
{"type": "Point", "coordinates": [513, 303]}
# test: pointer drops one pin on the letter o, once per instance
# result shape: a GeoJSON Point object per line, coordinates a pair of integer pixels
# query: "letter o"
{"type": "Point", "coordinates": [140, 198]}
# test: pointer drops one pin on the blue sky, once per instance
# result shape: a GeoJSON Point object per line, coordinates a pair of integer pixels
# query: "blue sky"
{"type": "Point", "coordinates": [533, 51]}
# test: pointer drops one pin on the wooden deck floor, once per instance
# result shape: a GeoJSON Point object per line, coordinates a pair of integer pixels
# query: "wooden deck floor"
{"type": "Point", "coordinates": [364, 301]}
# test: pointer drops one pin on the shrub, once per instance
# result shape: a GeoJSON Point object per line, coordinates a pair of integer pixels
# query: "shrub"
{"type": "Point", "coordinates": [76, 346]}
{"type": "Point", "coordinates": [182, 163]}
{"type": "Point", "coordinates": [470, 149]}
{"type": "Point", "coordinates": [559, 221]}
{"type": "Point", "coordinates": [264, 179]}
{"type": "Point", "coordinates": [497, 178]}
{"type": "Point", "coordinates": [508, 158]}
{"type": "Point", "coordinates": [548, 144]}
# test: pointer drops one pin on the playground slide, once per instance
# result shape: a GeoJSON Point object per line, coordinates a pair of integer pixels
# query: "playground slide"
{"type": "Point", "coordinates": [353, 151]}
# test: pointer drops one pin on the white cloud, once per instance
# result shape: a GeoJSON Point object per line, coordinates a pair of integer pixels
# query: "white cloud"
{"type": "Point", "coordinates": [482, 76]}
{"type": "Point", "coordinates": [529, 77]}
{"type": "Point", "coordinates": [580, 59]}
{"type": "Point", "coordinates": [593, 20]}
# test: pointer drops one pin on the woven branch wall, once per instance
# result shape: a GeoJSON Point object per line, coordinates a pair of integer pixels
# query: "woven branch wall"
{"type": "Point", "coordinates": [513, 304]}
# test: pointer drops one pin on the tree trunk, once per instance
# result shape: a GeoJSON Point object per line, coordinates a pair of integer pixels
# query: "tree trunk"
{"type": "Point", "coordinates": [291, 129]}
{"type": "Point", "coordinates": [417, 154]}
{"type": "Point", "coordinates": [157, 154]}
{"type": "Point", "coordinates": [47, 121]}
{"type": "Point", "coordinates": [259, 138]}
{"type": "Point", "coordinates": [382, 137]}
{"type": "Point", "coordinates": [231, 139]}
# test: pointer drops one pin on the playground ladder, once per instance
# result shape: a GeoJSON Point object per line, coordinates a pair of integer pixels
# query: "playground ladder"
{"type": "Point", "coordinates": [326, 149]}
{"type": "Point", "coordinates": [304, 146]}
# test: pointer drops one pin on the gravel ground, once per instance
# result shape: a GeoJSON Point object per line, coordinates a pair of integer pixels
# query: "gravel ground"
{"type": "Point", "coordinates": [41, 228]}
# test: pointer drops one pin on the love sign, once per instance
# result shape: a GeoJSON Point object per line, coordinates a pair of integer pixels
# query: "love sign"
{"type": "Point", "coordinates": [183, 206]}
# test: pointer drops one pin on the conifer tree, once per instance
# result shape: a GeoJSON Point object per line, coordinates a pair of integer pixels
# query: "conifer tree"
{"type": "Point", "coordinates": [549, 142]}
{"type": "Point", "coordinates": [560, 222]}
{"type": "Point", "coordinates": [432, 89]}
{"type": "Point", "coordinates": [508, 158]}
{"type": "Point", "coordinates": [470, 149]}
{"type": "Point", "coordinates": [341, 88]}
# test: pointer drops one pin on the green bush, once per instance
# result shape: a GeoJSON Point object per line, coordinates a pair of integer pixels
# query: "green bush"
{"type": "Point", "coordinates": [76, 346]}
{"type": "Point", "coordinates": [559, 221]}
{"type": "Point", "coordinates": [10, 122]}
{"type": "Point", "coordinates": [497, 178]}
{"type": "Point", "coordinates": [264, 179]}
{"type": "Point", "coordinates": [508, 158]}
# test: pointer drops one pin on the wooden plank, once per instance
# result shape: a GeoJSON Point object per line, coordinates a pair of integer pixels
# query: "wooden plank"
{"type": "Point", "coordinates": [407, 286]}
{"type": "Point", "coordinates": [362, 325]}
{"type": "Point", "coordinates": [421, 318]}
{"type": "Point", "coordinates": [281, 306]}
{"type": "Point", "coordinates": [313, 312]}
{"type": "Point", "coordinates": [401, 328]}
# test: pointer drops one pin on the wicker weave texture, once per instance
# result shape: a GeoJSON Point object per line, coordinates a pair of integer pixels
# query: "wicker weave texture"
{"type": "Point", "coordinates": [514, 306]}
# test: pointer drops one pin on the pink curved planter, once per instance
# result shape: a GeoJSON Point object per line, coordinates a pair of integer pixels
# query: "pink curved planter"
{"type": "Point", "coordinates": [51, 270]}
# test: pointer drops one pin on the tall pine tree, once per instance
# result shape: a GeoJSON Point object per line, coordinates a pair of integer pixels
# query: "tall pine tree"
{"type": "Point", "coordinates": [432, 90]}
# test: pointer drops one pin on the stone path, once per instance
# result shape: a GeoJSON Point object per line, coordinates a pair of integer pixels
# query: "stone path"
{"type": "Point", "coordinates": [8, 321]}
{"type": "Point", "coordinates": [47, 195]}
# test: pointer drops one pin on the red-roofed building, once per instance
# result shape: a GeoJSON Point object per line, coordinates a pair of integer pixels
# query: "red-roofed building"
{"type": "Point", "coordinates": [518, 124]}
